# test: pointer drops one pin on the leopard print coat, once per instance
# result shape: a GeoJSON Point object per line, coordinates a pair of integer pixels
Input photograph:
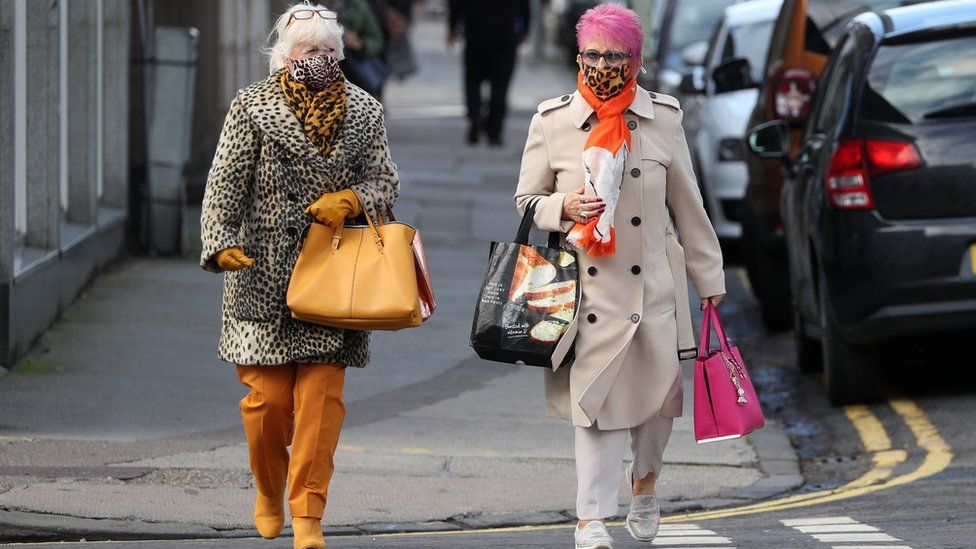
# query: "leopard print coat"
{"type": "Point", "coordinates": [264, 174]}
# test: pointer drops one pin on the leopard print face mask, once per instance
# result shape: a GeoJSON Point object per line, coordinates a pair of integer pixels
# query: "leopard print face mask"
{"type": "Point", "coordinates": [606, 81]}
{"type": "Point", "coordinates": [316, 72]}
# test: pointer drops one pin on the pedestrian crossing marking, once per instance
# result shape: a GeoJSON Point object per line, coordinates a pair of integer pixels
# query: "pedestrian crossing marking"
{"type": "Point", "coordinates": [704, 540]}
{"type": "Point", "coordinates": [833, 528]}
{"type": "Point", "coordinates": [870, 547]}
{"type": "Point", "coordinates": [842, 530]}
{"type": "Point", "coordinates": [678, 535]}
{"type": "Point", "coordinates": [818, 521]}
{"type": "Point", "coordinates": [831, 538]}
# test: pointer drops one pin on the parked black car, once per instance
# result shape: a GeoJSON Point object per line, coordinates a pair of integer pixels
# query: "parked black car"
{"type": "Point", "coordinates": [805, 34]}
{"type": "Point", "coordinates": [879, 206]}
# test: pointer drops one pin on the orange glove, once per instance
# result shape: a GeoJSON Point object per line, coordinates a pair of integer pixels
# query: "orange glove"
{"type": "Point", "coordinates": [233, 259]}
{"type": "Point", "coordinates": [333, 208]}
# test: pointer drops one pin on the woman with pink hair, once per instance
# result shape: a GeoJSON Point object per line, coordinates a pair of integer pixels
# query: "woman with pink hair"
{"type": "Point", "coordinates": [608, 168]}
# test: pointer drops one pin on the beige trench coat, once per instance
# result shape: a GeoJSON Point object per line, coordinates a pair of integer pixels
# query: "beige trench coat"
{"type": "Point", "coordinates": [634, 320]}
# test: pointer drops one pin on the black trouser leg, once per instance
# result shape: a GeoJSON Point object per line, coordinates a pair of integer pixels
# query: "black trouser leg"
{"type": "Point", "coordinates": [502, 65]}
{"type": "Point", "coordinates": [474, 75]}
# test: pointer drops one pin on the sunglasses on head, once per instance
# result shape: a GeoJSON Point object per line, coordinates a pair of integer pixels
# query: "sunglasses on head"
{"type": "Point", "coordinates": [304, 15]}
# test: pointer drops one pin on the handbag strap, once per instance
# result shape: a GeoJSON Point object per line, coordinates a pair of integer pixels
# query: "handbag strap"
{"type": "Point", "coordinates": [337, 235]}
{"type": "Point", "coordinates": [710, 319]}
{"type": "Point", "coordinates": [522, 237]}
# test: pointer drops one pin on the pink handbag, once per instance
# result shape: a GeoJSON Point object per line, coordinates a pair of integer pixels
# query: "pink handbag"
{"type": "Point", "coordinates": [726, 406]}
{"type": "Point", "coordinates": [424, 286]}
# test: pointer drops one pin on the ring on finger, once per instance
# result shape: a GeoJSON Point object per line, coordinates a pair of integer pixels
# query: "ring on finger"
{"type": "Point", "coordinates": [583, 215]}
{"type": "Point", "coordinates": [582, 199]}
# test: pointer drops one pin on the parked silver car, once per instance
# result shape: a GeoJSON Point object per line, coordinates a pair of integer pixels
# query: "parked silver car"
{"type": "Point", "coordinates": [718, 93]}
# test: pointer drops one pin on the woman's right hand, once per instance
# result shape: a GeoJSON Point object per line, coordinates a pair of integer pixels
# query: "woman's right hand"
{"type": "Point", "coordinates": [233, 259]}
{"type": "Point", "coordinates": [580, 207]}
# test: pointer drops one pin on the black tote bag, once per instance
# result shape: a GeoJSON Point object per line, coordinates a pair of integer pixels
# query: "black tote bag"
{"type": "Point", "coordinates": [529, 297]}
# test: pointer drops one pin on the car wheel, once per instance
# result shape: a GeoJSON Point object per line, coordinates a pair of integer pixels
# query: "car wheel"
{"type": "Point", "coordinates": [809, 357]}
{"type": "Point", "coordinates": [767, 275]}
{"type": "Point", "coordinates": [851, 371]}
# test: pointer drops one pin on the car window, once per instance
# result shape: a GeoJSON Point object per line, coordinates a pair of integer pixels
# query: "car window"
{"type": "Point", "coordinates": [826, 20]}
{"type": "Point", "coordinates": [749, 41]}
{"type": "Point", "coordinates": [693, 21]}
{"type": "Point", "coordinates": [655, 21]}
{"type": "Point", "coordinates": [909, 83]}
{"type": "Point", "coordinates": [835, 91]}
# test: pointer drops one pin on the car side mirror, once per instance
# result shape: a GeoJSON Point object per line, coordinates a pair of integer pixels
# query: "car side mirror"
{"type": "Point", "coordinates": [693, 81]}
{"type": "Point", "coordinates": [732, 74]}
{"type": "Point", "coordinates": [770, 140]}
{"type": "Point", "coordinates": [694, 54]}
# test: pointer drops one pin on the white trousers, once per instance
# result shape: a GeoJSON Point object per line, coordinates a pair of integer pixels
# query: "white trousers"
{"type": "Point", "coordinates": [600, 456]}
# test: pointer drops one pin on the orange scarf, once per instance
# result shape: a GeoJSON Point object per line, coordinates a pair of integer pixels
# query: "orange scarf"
{"type": "Point", "coordinates": [604, 158]}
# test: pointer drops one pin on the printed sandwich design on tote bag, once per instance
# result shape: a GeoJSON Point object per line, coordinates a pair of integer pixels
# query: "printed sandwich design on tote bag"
{"type": "Point", "coordinates": [726, 406]}
{"type": "Point", "coordinates": [528, 299]}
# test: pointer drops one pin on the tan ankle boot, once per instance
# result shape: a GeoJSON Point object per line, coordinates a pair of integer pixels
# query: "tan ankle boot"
{"type": "Point", "coordinates": [269, 516]}
{"type": "Point", "coordinates": [308, 533]}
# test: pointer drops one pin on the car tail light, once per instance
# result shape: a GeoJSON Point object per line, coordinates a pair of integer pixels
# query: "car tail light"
{"type": "Point", "coordinates": [855, 160]}
{"type": "Point", "coordinates": [794, 92]}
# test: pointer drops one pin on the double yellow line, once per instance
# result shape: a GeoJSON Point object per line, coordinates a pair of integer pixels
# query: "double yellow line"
{"type": "Point", "coordinates": [876, 441]}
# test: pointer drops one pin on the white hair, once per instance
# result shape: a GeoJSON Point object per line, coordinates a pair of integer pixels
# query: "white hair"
{"type": "Point", "coordinates": [315, 30]}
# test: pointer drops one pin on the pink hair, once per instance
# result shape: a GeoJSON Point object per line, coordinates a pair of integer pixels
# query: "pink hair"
{"type": "Point", "coordinates": [609, 23]}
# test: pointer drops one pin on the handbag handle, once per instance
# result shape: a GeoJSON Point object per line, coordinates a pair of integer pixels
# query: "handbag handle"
{"type": "Point", "coordinates": [337, 235]}
{"type": "Point", "coordinates": [522, 237]}
{"type": "Point", "coordinates": [710, 319]}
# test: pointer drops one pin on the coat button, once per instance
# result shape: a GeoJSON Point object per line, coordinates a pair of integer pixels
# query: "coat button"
{"type": "Point", "coordinates": [652, 94]}
{"type": "Point", "coordinates": [635, 269]}
{"type": "Point", "coordinates": [592, 271]}
{"type": "Point", "coordinates": [635, 172]}
{"type": "Point", "coordinates": [635, 221]}
{"type": "Point", "coordinates": [632, 125]}
{"type": "Point", "coordinates": [586, 126]}
{"type": "Point", "coordinates": [564, 98]}
{"type": "Point", "coordinates": [635, 318]}
{"type": "Point", "coordinates": [292, 231]}
{"type": "Point", "coordinates": [293, 197]}
{"type": "Point", "coordinates": [284, 160]}
{"type": "Point", "coordinates": [591, 318]}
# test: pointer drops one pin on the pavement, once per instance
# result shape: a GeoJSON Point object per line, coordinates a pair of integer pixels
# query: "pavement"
{"type": "Point", "coordinates": [121, 423]}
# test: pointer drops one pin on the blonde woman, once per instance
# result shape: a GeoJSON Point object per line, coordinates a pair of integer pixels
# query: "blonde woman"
{"type": "Point", "coordinates": [608, 165]}
{"type": "Point", "coordinates": [299, 144]}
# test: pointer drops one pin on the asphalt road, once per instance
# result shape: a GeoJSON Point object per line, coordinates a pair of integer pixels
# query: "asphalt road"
{"type": "Point", "coordinates": [894, 474]}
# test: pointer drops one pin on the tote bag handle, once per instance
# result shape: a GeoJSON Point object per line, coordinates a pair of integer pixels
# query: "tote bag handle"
{"type": "Point", "coordinates": [522, 237]}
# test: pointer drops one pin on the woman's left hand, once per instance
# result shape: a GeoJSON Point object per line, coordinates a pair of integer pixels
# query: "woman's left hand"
{"type": "Point", "coordinates": [716, 299]}
{"type": "Point", "coordinates": [332, 209]}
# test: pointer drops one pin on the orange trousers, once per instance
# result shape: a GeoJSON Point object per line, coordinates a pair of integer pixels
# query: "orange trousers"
{"type": "Point", "coordinates": [300, 405]}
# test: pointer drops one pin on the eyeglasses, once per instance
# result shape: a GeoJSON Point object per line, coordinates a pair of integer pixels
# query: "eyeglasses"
{"type": "Point", "coordinates": [304, 15]}
{"type": "Point", "coordinates": [613, 58]}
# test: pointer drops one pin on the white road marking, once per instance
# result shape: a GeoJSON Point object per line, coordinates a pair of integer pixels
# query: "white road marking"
{"type": "Point", "coordinates": [678, 535]}
{"type": "Point", "coordinates": [817, 521]}
{"type": "Point", "coordinates": [870, 547]}
{"type": "Point", "coordinates": [834, 528]}
{"type": "Point", "coordinates": [836, 538]}
{"type": "Point", "coordinates": [691, 540]}
{"type": "Point", "coordinates": [687, 533]}
{"type": "Point", "coordinates": [842, 530]}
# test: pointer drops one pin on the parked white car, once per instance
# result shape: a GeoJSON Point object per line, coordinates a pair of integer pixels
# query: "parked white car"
{"type": "Point", "coordinates": [717, 97]}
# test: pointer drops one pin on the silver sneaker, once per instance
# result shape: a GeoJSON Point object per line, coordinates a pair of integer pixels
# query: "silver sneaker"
{"type": "Point", "coordinates": [644, 517]}
{"type": "Point", "coordinates": [593, 536]}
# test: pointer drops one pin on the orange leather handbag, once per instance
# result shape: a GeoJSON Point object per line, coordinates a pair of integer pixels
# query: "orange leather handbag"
{"type": "Point", "coordinates": [357, 277]}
